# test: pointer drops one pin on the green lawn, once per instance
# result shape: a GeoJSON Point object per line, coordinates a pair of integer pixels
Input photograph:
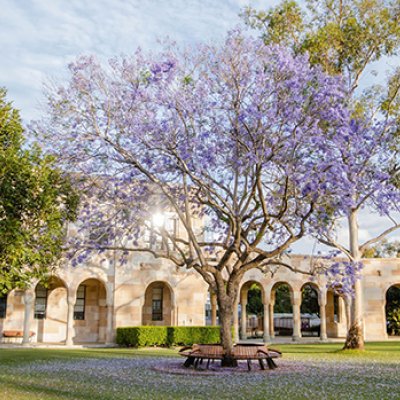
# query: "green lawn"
{"type": "Point", "coordinates": [305, 372]}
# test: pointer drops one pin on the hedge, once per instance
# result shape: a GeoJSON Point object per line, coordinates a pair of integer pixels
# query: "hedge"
{"type": "Point", "coordinates": [140, 336]}
{"type": "Point", "coordinates": [187, 335]}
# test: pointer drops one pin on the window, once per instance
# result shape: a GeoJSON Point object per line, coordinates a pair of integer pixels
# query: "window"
{"type": "Point", "coordinates": [171, 226]}
{"type": "Point", "coordinates": [79, 308]}
{"type": "Point", "coordinates": [3, 306]}
{"type": "Point", "coordinates": [40, 302]}
{"type": "Point", "coordinates": [152, 237]}
{"type": "Point", "coordinates": [157, 304]}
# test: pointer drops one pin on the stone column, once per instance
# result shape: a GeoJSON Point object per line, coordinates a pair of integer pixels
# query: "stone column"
{"type": "Point", "coordinates": [266, 320]}
{"type": "Point", "coordinates": [296, 302]}
{"type": "Point", "coordinates": [70, 319]}
{"type": "Point", "coordinates": [236, 321]}
{"type": "Point", "coordinates": [213, 300]}
{"type": "Point", "coordinates": [243, 317]}
{"type": "Point", "coordinates": [322, 315]}
{"type": "Point", "coordinates": [271, 319]}
{"type": "Point", "coordinates": [110, 332]}
{"type": "Point", "coordinates": [173, 313]}
{"type": "Point", "coordinates": [110, 324]}
{"type": "Point", "coordinates": [347, 301]}
{"type": "Point", "coordinates": [29, 299]}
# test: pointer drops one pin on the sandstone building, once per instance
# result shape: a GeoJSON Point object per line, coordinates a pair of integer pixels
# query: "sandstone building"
{"type": "Point", "coordinates": [85, 304]}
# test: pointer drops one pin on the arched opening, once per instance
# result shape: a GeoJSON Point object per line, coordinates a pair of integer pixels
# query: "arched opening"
{"type": "Point", "coordinates": [90, 312]}
{"type": "Point", "coordinates": [50, 310]}
{"type": "Point", "coordinates": [281, 301]}
{"type": "Point", "coordinates": [158, 309]}
{"type": "Point", "coordinates": [392, 310]}
{"type": "Point", "coordinates": [310, 311]}
{"type": "Point", "coordinates": [251, 310]}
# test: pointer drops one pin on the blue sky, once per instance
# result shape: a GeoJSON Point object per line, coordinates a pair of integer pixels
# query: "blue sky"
{"type": "Point", "coordinates": [38, 38]}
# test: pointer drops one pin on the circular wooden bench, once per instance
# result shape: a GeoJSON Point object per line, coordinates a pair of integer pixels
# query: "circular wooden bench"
{"type": "Point", "coordinates": [198, 352]}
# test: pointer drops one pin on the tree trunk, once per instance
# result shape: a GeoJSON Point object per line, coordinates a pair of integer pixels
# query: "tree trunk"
{"type": "Point", "coordinates": [355, 335]}
{"type": "Point", "coordinates": [226, 310]}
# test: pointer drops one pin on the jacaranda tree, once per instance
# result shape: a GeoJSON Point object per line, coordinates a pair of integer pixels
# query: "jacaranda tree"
{"type": "Point", "coordinates": [345, 37]}
{"type": "Point", "coordinates": [238, 142]}
{"type": "Point", "coordinates": [371, 157]}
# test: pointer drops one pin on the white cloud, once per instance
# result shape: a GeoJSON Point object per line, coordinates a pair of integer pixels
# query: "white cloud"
{"type": "Point", "coordinates": [39, 37]}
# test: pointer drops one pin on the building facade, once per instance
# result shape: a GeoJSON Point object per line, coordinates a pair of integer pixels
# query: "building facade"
{"type": "Point", "coordinates": [85, 304]}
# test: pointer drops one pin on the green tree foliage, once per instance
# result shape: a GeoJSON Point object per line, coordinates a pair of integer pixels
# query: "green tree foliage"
{"type": "Point", "coordinates": [384, 249]}
{"type": "Point", "coordinates": [283, 304]}
{"type": "Point", "coordinates": [343, 36]}
{"type": "Point", "coordinates": [35, 202]}
{"type": "Point", "coordinates": [393, 310]}
{"type": "Point", "coordinates": [309, 300]}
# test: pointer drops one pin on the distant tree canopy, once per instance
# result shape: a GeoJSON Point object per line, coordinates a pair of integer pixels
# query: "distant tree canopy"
{"type": "Point", "coordinates": [384, 249]}
{"type": "Point", "coordinates": [309, 300]}
{"type": "Point", "coordinates": [254, 301]}
{"type": "Point", "coordinates": [342, 36]}
{"type": "Point", "coordinates": [283, 304]}
{"type": "Point", "coordinates": [36, 200]}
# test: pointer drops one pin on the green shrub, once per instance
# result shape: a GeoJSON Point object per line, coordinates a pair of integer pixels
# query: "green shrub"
{"type": "Point", "coordinates": [140, 336]}
{"type": "Point", "coordinates": [188, 335]}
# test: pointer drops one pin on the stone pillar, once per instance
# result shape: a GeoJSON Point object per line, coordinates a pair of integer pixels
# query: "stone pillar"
{"type": "Point", "coordinates": [110, 324]}
{"type": "Point", "coordinates": [271, 319]}
{"type": "Point", "coordinates": [322, 315]}
{"type": "Point", "coordinates": [347, 301]}
{"type": "Point", "coordinates": [296, 302]}
{"type": "Point", "coordinates": [70, 319]}
{"type": "Point", "coordinates": [213, 299]}
{"type": "Point", "coordinates": [236, 321]}
{"type": "Point", "coordinates": [110, 332]}
{"type": "Point", "coordinates": [29, 299]}
{"type": "Point", "coordinates": [172, 317]}
{"type": "Point", "coordinates": [266, 326]}
{"type": "Point", "coordinates": [243, 316]}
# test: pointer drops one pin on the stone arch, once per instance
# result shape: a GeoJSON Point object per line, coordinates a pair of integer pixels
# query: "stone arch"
{"type": "Point", "coordinates": [392, 309]}
{"type": "Point", "coordinates": [51, 310]}
{"type": "Point", "coordinates": [247, 285]}
{"type": "Point", "coordinates": [159, 304]}
{"type": "Point", "coordinates": [90, 311]}
{"type": "Point", "coordinates": [251, 320]}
